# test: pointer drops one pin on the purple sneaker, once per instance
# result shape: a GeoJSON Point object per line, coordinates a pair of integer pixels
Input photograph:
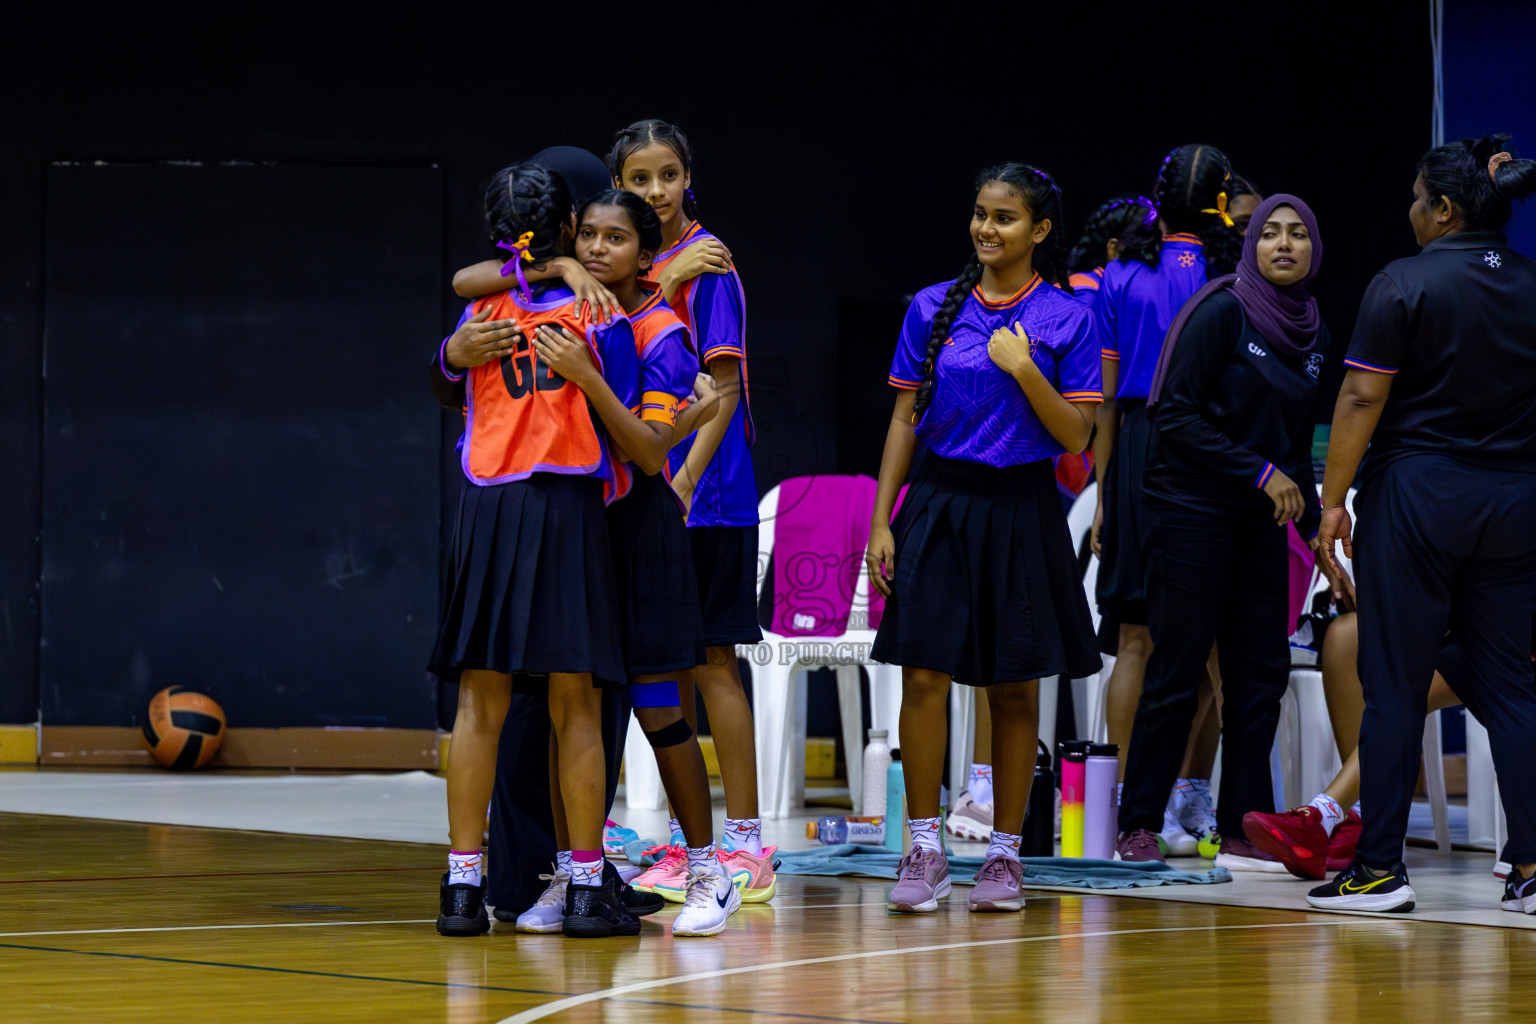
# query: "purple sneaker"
{"type": "Point", "coordinates": [997, 886]}
{"type": "Point", "coordinates": [1140, 844]}
{"type": "Point", "coordinates": [922, 880]}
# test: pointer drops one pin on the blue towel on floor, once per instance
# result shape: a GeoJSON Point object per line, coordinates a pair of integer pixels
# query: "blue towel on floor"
{"type": "Point", "coordinates": [1073, 872]}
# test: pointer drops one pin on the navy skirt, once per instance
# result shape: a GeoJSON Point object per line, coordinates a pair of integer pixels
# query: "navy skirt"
{"type": "Point", "coordinates": [1122, 586]}
{"type": "Point", "coordinates": [533, 587]}
{"type": "Point", "coordinates": [660, 622]}
{"type": "Point", "coordinates": [987, 587]}
{"type": "Point", "coordinates": [725, 565]}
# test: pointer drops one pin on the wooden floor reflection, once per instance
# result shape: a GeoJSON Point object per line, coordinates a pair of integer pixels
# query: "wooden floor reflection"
{"type": "Point", "coordinates": [107, 921]}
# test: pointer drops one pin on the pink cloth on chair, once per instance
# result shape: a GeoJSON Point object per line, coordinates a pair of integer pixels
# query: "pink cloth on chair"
{"type": "Point", "coordinates": [1301, 569]}
{"type": "Point", "coordinates": [820, 534]}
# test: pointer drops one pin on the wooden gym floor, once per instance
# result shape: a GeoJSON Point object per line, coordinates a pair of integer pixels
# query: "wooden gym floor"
{"type": "Point", "coordinates": [124, 922]}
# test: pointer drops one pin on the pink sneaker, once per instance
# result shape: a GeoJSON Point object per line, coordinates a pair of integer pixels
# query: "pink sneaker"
{"type": "Point", "coordinates": [997, 886]}
{"type": "Point", "coordinates": [673, 866]}
{"type": "Point", "coordinates": [752, 875]}
{"type": "Point", "coordinates": [922, 880]}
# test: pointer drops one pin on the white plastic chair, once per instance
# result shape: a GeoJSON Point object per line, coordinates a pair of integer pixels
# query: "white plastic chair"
{"type": "Point", "coordinates": [780, 667]}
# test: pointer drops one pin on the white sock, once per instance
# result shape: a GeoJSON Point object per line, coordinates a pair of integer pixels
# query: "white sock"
{"type": "Point", "coordinates": [1356, 808]}
{"type": "Point", "coordinates": [925, 833]}
{"type": "Point", "coordinates": [563, 862]}
{"type": "Point", "coordinates": [980, 783]}
{"type": "Point", "coordinates": [466, 868]}
{"type": "Point", "coordinates": [703, 857]}
{"type": "Point", "coordinates": [1004, 844]}
{"type": "Point", "coordinates": [677, 833]}
{"type": "Point", "coordinates": [1329, 808]}
{"type": "Point", "coordinates": [745, 834]}
{"type": "Point", "coordinates": [586, 872]}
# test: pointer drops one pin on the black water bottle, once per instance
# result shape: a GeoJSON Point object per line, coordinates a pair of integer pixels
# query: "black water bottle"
{"type": "Point", "coordinates": [1040, 814]}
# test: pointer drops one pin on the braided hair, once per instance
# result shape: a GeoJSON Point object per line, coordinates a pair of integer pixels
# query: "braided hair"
{"type": "Point", "coordinates": [647, 225]}
{"type": "Point", "coordinates": [1188, 185]}
{"type": "Point", "coordinates": [1459, 172]}
{"type": "Point", "coordinates": [1043, 201]}
{"type": "Point", "coordinates": [652, 132]}
{"type": "Point", "coordinates": [526, 197]}
{"type": "Point", "coordinates": [1115, 219]}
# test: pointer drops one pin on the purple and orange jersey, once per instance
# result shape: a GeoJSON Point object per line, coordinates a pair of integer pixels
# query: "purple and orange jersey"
{"type": "Point", "coordinates": [522, 418]}
{"type": "Point", "coordinates": [979, 413]}
{"type": "Point", "coordinates": [1137, 304]}
{"type": "Point", "coordinates": [713, 308]}
{"type": "Point", "coordinates": [1085, 285]}
{"type": "Point", "coordinates": [668, 364]}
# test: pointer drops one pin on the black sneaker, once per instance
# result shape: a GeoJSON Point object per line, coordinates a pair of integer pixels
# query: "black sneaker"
{"type": "Point", "coordinates": [597, 911]}
{"type": "Point", "coordinates": [1519, 893]}
{"type": "Point", "coordinates": [641, 904]}
{"type": "Point", "coordinates": [462, 909]}
{"type": "Point", "coordinates": [1355, 888]}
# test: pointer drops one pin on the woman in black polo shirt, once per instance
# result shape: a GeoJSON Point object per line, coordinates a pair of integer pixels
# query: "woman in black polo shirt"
{"type": "Point", "coordinates": [1229, 468]}
{"type": "Point", "coordinates": [1441, 384]}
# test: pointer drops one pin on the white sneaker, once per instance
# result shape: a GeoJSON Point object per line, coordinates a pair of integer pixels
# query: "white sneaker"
{"type": "Point", "coordinates": [548, 914]}
{"type": "Point", "coordinates": [969, 819]}
{"type": "Point", "coordinates": [1198, 815]}
{"type": "Point", "coordinates": [1174, 836]}
{"type": "Point", "coordinates": [710, 899]}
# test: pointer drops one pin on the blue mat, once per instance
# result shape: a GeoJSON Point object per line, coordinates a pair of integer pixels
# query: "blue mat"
{"type": "Point", "coordinates": [1072, 872]}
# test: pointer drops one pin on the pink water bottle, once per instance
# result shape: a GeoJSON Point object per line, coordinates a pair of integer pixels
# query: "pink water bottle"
{"type": "Point", "coordinates": [1101, 811]}
{"type": "Point", "coordinates": [1074, 764]}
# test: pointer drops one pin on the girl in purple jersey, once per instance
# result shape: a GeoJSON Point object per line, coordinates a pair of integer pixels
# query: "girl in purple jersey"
{"type": "Point", "coordinates": [711, 471]}
{"type": "Point", "coordinates": [1161, 264]}
{"type": "Point", "coordinates": [996, 372]}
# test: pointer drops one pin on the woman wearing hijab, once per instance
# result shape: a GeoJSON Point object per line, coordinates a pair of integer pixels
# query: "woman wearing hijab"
{"type": "Point", "coordinates": [1230, 466]}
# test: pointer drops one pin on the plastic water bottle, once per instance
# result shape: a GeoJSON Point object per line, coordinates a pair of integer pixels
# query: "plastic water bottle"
{"type": "Point", "coordinates": [836, 830]}
{"type": "Point", "coordinates": [895, 805]}
{"type": "Point", "coordinates": [877, 761]}
{"type": "Point", "coordinates": [1101, 812]}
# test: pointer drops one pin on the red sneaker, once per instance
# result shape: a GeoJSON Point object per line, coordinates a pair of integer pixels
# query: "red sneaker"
{"type": "Point", "coordinates": [1341, 848]}
{"type": "Point", "coordinates": [1295, 838]}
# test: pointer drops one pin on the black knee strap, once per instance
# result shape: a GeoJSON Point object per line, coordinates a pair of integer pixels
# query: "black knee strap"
{"type": "Point", "coordinates": [670, 735]}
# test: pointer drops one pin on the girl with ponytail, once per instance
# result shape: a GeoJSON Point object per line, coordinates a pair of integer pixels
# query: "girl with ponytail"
{"type": "Point", "coordinates": [996, 372]}
{"type": "Point", "coordinates": [532, 589]}
{"type": "Point", "coordinates": [1440, 384]}
{"type": "Point", "coordinates": [1163, 261]}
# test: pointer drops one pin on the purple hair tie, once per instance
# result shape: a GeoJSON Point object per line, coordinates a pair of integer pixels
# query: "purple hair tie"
{"type": "Point", "coordinates": [520, 255]}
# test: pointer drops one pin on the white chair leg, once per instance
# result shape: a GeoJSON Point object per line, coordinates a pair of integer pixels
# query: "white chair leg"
{"type": "Point", "coordinates": [1050, 691]}
{"type": "Point", "coordinates": [778, 714]}
{"type": "Point", "coordinates": [962, 736]}
{"type": "Point", "coordinates": [1483, 808]}
{"type": "Point", "coordinates": [850, 707]}
{"type": "Point", "coordinates": [642, 779]}
{"type": "Point", "coordinates": [885, 701]}
{"type": "Point", "coordinates": [1434, 781]}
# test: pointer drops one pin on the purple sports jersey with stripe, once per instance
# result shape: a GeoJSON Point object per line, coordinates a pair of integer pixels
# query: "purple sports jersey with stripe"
{"type": "Point", "coordinates": [714, 308]}
{"type": "Point", "coordinates": [1137, 304]}
{"type": "Point", "coordinates": [979, 413]}
{"type": "Point", "coordinates": [668, 365]}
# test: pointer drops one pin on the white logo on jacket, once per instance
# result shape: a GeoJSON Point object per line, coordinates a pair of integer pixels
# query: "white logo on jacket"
{"type": "Point", "coordinates": [1315, 364]}
{"type": "Point", "coordinates": [1493, 259]}
{"type": "Point", "coordinates": [1256, 350]}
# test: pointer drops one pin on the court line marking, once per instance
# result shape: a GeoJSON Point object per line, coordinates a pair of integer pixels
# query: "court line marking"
{"type": "Point", "coordinates": [209, 874]}
{"type": "Point", "coordinates": [571, 1002]}
{"type": "Point", "coordinates": [208, 928]}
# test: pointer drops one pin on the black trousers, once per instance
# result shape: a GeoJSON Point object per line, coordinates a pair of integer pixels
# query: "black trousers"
{"type": "Point", "coordinates": [522, 825]}
{"type": "Point", "coordinates": [1444, 545]}
{"type": "Point", "coordinates": [1212, 576]}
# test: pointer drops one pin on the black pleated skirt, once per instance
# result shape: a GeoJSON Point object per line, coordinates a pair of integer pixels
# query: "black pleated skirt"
{"type": "Point", "coordinates": [660, 622]}
{"type": "Point", "coordinates": [987, 587]}
{"type": "Point", "coordinates": [533, 587]}
{"type": "Point", "coordinates": [1122, 586]}
{"type": "Point", "coordinates": [725, 566]}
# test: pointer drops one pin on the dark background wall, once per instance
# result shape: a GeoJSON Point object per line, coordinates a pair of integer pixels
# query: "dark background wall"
{"type": "Point", "coordinates": [834, 155]}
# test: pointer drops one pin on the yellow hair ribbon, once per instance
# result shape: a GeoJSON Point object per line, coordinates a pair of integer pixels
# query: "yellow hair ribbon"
{"type": "Point", "coordinates": [1221, 210]}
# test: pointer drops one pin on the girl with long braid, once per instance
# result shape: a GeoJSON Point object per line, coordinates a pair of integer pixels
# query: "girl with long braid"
{"type": "Point", "coordinates": [997, 373]}
{"type": "Point", "coordinates": [1160, 264]}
